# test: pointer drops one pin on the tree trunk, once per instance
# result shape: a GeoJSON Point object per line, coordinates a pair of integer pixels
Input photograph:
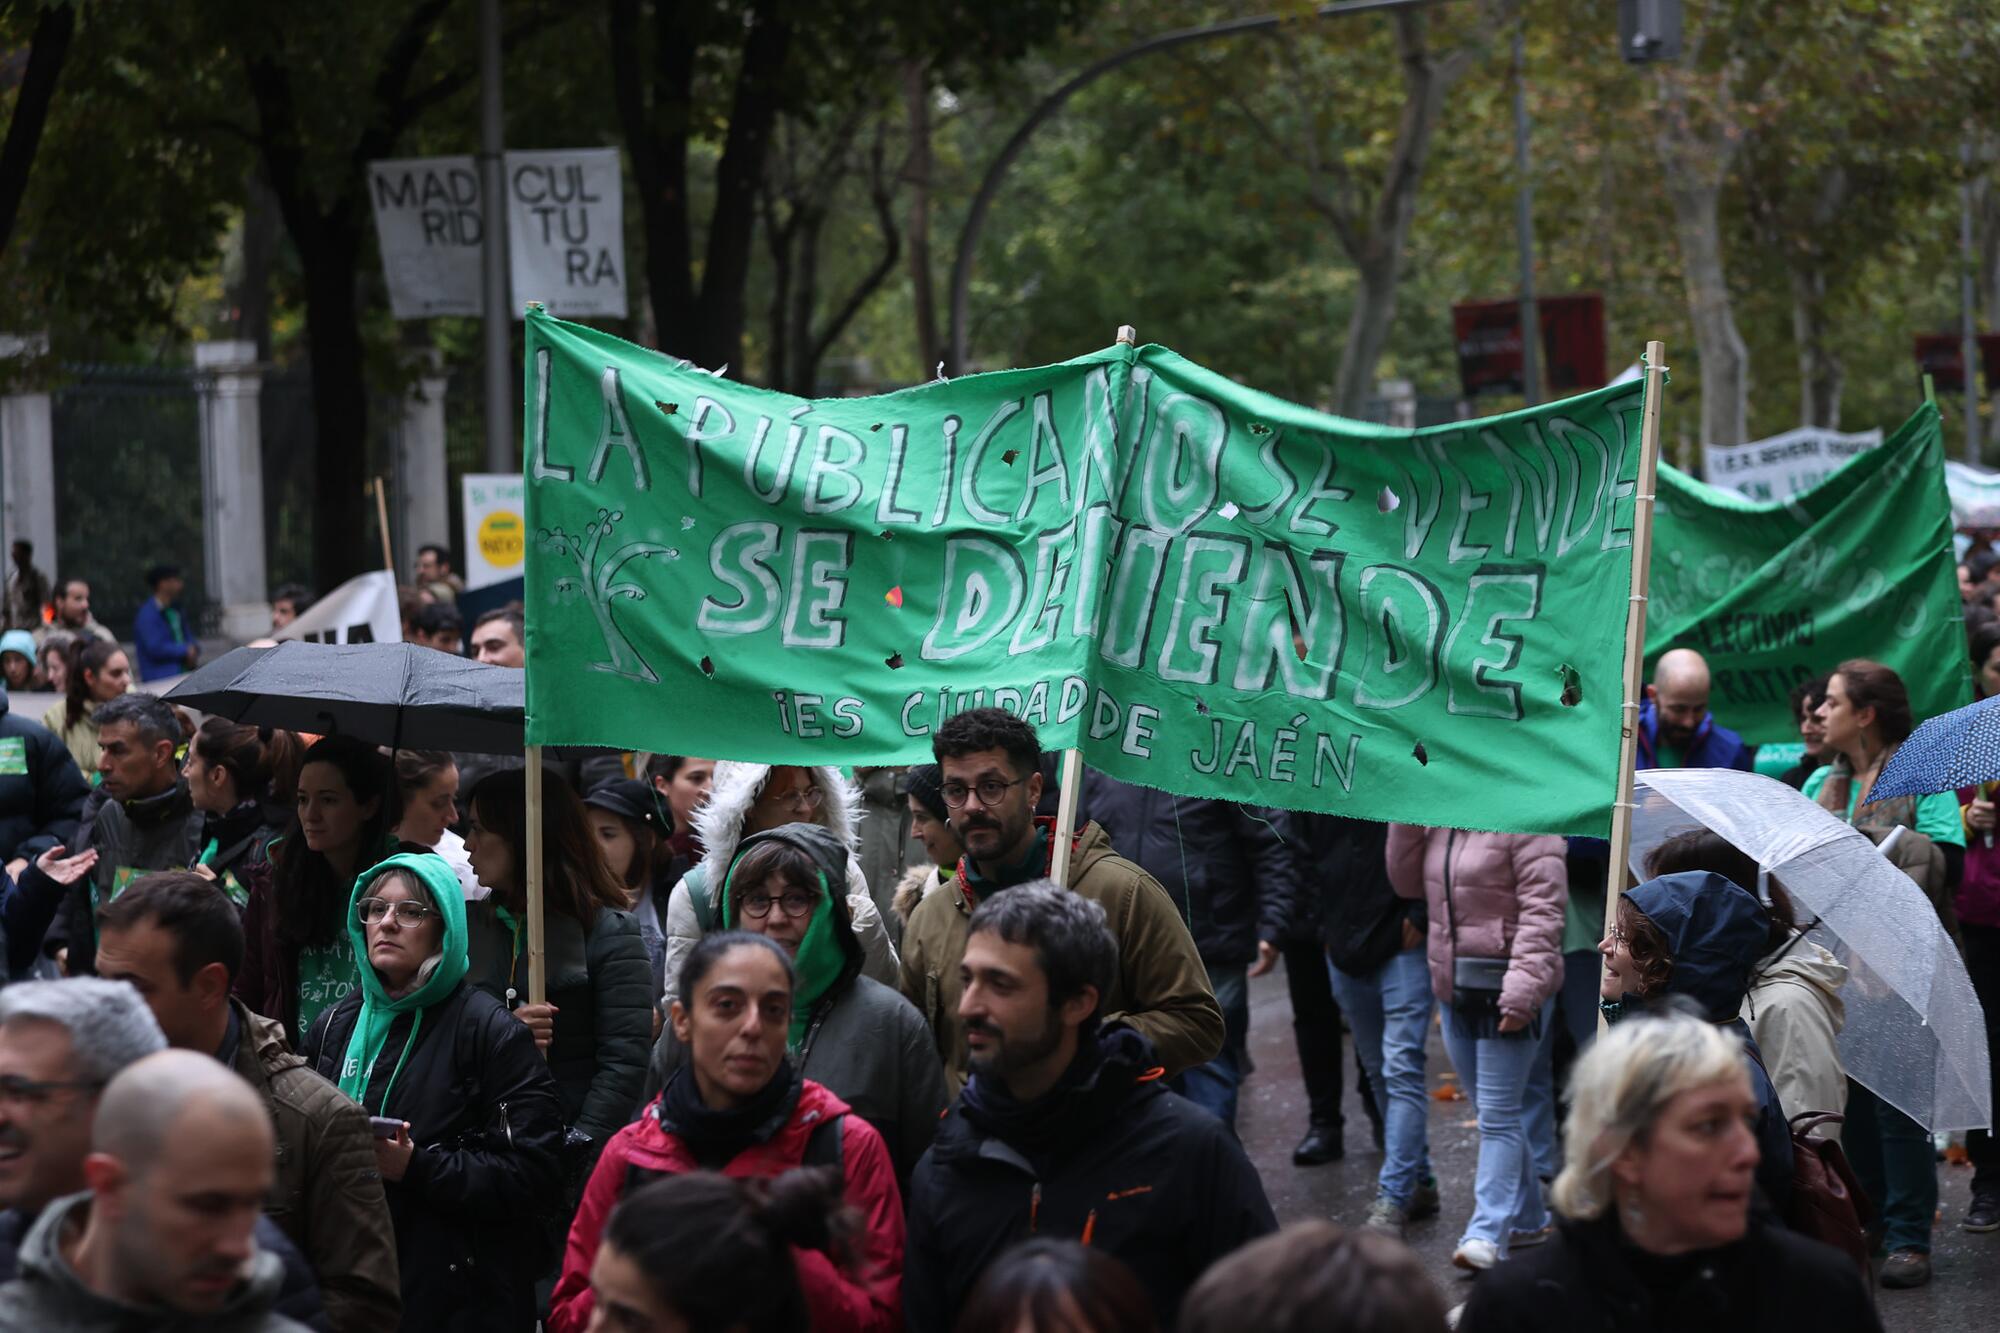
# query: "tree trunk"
{"type": "Point", "coordinates": [1695, 162]}
{"type": "Point", "coordinates": [1822, 374]}
{"type": "Point", "coordinates": [917, 101]}
{"type": "Point", "coordinates": [721, 311]}
{"type": "Point", "coordinates": [340, 405]}
{"type": "Point", "coordinates": [655, 135]}
{"type": "Point", "coordinates": [250, 291]}
{"type": "Point", "coordinates": [802, 365]}
{"type": "Point", "coordinates": [1375, 243]}
{"type": "Point", "coordinates": [1367, 334]}
{"type": "Point", "coordinates": [1719, 347]}
{"type": "Point", "coordinates": [48, 48]}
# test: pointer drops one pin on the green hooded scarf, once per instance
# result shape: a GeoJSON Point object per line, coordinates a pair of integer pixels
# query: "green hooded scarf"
{"type": "Point", "coordinates": [822, 958]}
{"type": "Point", "coordinates": [378, 1011]}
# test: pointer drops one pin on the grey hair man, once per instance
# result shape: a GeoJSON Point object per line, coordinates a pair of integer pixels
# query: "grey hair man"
{"type": "Point", "coordinates": [179, 1165]}
{"type": "Point", "coordinates": [62, 1045]}
{"type": "Point", "coordinates": [1062, 1113]}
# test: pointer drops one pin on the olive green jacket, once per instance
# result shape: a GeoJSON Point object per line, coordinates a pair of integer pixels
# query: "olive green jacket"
{"type": "Point", "coordinates": [1161, 989]}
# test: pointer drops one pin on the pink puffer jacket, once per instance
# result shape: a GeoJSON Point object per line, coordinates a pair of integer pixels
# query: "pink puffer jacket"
{"type": "Point", "coordinates": [1508, 891]}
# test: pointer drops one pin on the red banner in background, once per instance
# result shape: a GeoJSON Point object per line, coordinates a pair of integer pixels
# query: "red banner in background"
{"type": "Point", "coordinates": [1489, 344]}
{"type": "Point", "coordinates": [1942, 357]}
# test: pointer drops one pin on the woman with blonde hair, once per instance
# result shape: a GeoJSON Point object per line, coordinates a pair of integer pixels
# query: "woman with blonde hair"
{"type": "Point", "coordinates": [1655, 1227]}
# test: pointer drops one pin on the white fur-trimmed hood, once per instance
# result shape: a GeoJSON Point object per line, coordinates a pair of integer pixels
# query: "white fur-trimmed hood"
{"type": "Point", "coordinates": [735, 787]}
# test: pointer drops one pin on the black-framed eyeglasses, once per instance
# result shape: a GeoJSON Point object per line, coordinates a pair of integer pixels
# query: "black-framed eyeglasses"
{"type": "Point", "coordinates": [409, 915]}
{"type": "Point", "coordinates": [991, 791]}
{"type": "Point", "coordinates": [17, 1090]}
{"type": "Point", "coordinates": [793, 902]}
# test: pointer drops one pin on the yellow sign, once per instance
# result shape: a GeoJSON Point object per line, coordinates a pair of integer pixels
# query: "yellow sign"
{"type": "Point", "coordinates": [501, 538]}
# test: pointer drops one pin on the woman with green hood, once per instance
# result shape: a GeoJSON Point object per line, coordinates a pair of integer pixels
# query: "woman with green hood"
{"type": "Point", "coordinates": [859, 1039]}
{"type": "Point", "coordinates": [478, 1126]}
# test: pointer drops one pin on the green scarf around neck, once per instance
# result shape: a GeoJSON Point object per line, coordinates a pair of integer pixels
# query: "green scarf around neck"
{"type": "Point", "coordinates": [378, 1011]}
{"type": "Point", "coordinates": [819, 961]}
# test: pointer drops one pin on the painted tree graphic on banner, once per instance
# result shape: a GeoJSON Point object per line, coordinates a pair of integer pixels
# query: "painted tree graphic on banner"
{"type": "Point", "coordinates": [595, 578]}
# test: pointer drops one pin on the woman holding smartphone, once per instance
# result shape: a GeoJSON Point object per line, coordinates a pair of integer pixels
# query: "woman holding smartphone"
{"type": "Point", "coordinates": [467, 1119]}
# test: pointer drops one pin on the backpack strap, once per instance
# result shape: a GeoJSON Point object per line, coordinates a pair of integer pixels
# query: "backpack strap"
{"type": "Point", "coordinates": [826, 1145]}
{"type": "Point", "coordinates": [700, 899]}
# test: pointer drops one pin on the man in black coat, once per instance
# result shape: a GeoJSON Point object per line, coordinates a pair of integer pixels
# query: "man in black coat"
{"type": "Point", "coordinates": [1063, 1128]}
{"type": "Point", "coordinates": [41, 790]}
{"type": "Point", "coordinates": [1228, 870]}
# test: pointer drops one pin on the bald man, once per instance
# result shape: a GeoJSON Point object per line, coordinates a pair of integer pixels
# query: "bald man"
{"type": "Point", "coordinates": [1675, 728]}
{"type": "Point", "coordinates": [180, 1163]}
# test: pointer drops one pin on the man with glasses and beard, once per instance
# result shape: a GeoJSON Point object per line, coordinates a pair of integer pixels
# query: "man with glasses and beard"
{"type": "Point", "coordinates": [1064, 1128]}
{"type": "Point", "coordinates": [990, 778]}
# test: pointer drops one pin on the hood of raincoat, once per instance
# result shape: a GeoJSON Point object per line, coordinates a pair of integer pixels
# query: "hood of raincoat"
{"type": "Point", "coordinates": [735, 787]}
{"type": "Point", "coordinates": [378, 1009]}
{"type": "Point", "coordinates": [1716, 933]}
{"type": "Point", "coordinates": [1806, 965]}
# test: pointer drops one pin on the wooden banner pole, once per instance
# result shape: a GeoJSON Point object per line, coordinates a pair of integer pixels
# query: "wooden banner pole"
{"type": "Point", "coordinates": [382, 519]}
{"type": "Point", "coordinates": [538, 967]}
{"type": "Point", "coordinates": [1635, 630]}
{"type": "Point", "coordinates": [1072, 760]}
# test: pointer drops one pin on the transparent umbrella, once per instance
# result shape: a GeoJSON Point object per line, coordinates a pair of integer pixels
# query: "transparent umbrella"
{"type": "Point", "coordinates": [1915, 1035]}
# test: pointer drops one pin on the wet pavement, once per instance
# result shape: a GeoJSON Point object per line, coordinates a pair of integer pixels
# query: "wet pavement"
{"type": "Point", "coordinates": [1963, 1297]}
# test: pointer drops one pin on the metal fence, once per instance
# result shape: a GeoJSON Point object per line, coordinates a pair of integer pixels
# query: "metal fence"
{"type": "Point", "coordinates": [128, 484]}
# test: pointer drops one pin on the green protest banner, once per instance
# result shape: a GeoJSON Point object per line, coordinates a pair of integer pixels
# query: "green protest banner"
{"type": "Point", "coordinates": [1773, 593]}
{"type": "Point", "coordinates": [1120, 548]}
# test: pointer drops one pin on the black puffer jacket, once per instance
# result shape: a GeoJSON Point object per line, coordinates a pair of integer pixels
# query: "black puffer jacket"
{"type": "Point", "coordinates": [1225, 865]}
{"type": "Point", "coordinates": [161, 832]}
{"type": "Point", "coordinates": [1109, 1157]}
{"type": "Point", "coordinates": [601, 984]}
{"type": "Point", "coordinates": [470, 1236]}
{"type": "Point", "coordinates": [1589, 1279]}
{"type": "Point", "coordinates": [1342, 865]}
{"type": "Point", "coordinates": [41, 791]}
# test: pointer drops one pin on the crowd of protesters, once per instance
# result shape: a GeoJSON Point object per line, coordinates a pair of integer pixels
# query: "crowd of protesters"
{"type": "Point", "coordinates": [831, 1050]}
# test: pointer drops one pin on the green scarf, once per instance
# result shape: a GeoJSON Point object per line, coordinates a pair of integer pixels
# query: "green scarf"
{"type": "Point", "coordinates": [378, 1011]}
{"type": "Point", "coordinates": [818, 963]}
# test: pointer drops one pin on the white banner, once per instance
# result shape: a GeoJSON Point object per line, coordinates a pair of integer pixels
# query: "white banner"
{"type": "Point", "coordinates": [1975, 495]}
{"type": "Point", "coordinates": [361, 610]}
{"type": "Point", "coordinates": [565, 239]}
{"type": "Point", "coordinates": [566, 231]}
{"type": "Point", "coordinates": [496, 528]}
{"type": "Point", "coordinates": [428, 218]}
{"type": "Point", "coordinates": [1784, 465]}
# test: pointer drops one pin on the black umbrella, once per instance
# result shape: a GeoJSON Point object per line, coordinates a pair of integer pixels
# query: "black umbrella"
{"type": "Point", "coordinates": [400, 695]}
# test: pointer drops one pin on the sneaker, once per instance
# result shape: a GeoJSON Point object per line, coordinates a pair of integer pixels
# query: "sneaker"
{"type": "Point", "coordinates": [1476, 1256]}
{"type": "Point", "coordinates": [1424, 1203]}
{"type": "Point", "coordinates": [1984, 1214]}
{"type": "Point", "coordinates": [1386, 1216]}
{"type": "Point", "coordinates": [1906, 1268]}
{"type": "Point", "coordinates": [1521, 1240]}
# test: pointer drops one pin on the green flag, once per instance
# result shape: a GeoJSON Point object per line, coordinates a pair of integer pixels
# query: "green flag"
{"type": "Point", "coordinates": [1774, 593]}
{"type": "Point", "coordinates": [1120, 549]}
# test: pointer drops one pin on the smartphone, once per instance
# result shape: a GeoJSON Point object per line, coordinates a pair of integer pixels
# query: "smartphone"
{"type": "Point", "coordinates": [385, 1127]}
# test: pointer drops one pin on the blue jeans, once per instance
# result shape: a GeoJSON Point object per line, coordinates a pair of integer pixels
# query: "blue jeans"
{"type": "Point", "coordinates": [1498, 1072]}
{"type": "Point", "coordinates": [1213, 1086]}
{"type": "Point", "coordinates": [1389, 1013]}
{"type": "Point", "coordinates": [1583, 970]}
{"type": "Point", "coordinates": [1895, 1163]}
